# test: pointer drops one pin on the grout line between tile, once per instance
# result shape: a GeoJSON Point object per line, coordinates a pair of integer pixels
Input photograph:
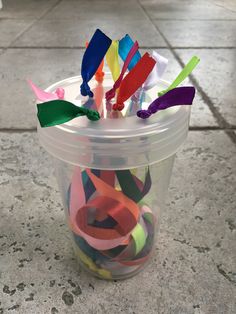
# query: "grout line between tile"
{"type": "Point", "coordinates": [191, 19]}
{"type": "Point", "coordinates": [18, 130]}
{"type": "Point", "coordinates": [141, 47]}
{"type": "Point", "coordinates": [211, 128]}
{"type": "Point", "coordinates": [223, 124]}
{"type": "Point", "coordinates": [151, 18]}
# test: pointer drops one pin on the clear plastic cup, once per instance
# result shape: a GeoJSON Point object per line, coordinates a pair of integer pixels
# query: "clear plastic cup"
{"type": "Point", "coordinates": [113, 176]}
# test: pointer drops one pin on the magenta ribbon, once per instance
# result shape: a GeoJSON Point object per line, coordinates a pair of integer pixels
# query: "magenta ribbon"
{"type": "Point", "coordinates": [111, 93]}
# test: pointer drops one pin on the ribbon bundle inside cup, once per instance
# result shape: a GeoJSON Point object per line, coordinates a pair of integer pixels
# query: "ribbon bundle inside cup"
{"type": "Point", "coordinates": [113, 227]}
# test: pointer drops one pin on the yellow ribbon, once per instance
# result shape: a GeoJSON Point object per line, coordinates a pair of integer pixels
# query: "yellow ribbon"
{"type": "Point", "coordinates": [112, 58]}
{"type": "Point", "coordinates": [91, 265]}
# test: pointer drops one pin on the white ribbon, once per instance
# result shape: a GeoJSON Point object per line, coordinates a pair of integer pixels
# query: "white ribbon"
{"type": "Point", "coordinates": [157, 72]}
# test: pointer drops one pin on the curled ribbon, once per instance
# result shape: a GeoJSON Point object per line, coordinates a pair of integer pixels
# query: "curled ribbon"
{"type": "Point", "coordinates": [131, 186]}
{"type": "Point", "coordinates": [105, 189]}
{"type": "Point", "coordinates": [60, 111]}
{"type": "Point", "coordinates": [93, 56]}
{"type": "Point", "coordinates": [182, 75]}
{"type": "Point", "coordinates": [112, 58]}
{"type": "Point", "coordinates": [174, 97]}
{"type": "Point", "coordinates": [111, 93]}
{"type": "Point", "coordinates": [110, 231]}
{"type": "Point", "coordinates": [134, 79]}
{"type": "Point", "coordinates": [125, 44]}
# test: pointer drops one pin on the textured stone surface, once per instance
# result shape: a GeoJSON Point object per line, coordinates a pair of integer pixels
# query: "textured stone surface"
{"type": "Point", "coordinates": [11, 29]}
{"type": "Point", "coordinates": [190, 9]}
{"type": "Point", "coordinates": [74, 32]}
{"type": "Point", "coordinates": [199, 34]}
{"type": "Point", "coordinates": [216, 75]}
{"type": "Point", "coordinates": [102, 9]}
{"type": "Point", "coordinates": [195, 258]}
{"type": "Point", "coordinates": [26, 9]}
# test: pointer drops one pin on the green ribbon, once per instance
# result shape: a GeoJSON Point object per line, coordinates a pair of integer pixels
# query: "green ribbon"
{"type": "Point", "coordinates": [139, 237]}
{"type": "Point", "coordinates": [129, 188]}
{"type": "Point", "coordinates": [182, 75]}
{"type": "Point", "coordinates": [56, 112]}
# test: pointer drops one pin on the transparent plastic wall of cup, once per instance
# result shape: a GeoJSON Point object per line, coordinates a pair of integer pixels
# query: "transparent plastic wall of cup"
{"type": "Point", "coordinates": [113, 176]}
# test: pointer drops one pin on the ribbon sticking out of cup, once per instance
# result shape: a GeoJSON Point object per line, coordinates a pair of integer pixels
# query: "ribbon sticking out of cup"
{"type": "Point", "coordinates": [41, 95]}
{"type": "Point", "coordinates": [99, 74]}
{"type": "Point", "coordinates": [125, 44]}
{"type": "Point", "coordinates": [174, 97]}
{"type": "Point", "coordinates": [112, 58]}
{"type": "Point", "coordinates": [93, 56]}
{"type": "Point", "coordinates": [134, 79]}
{"type": "Point", "coordinates": [112, 229]}
{"type": "Point", "coordinates": [111, 93]}
{"type": "Point", "coordinates": [60, 111]}
{"type": "Point", "coordinates": [190, 66]}
{"type": "Point", "coordinates": [157, 72]}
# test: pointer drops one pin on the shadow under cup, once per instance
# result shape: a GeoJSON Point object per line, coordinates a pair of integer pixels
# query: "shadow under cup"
{"type": "Point", "coordinates": [113, 176]}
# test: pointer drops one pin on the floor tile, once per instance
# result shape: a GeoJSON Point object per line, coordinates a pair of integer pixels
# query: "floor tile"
{"type": "Point", "coordinates": [188, 9]}
{"type": "Point", "coordinates": [74, 32]}
{"type": "Point", "coordinates": [226, 4]}
{"type": "Point", "coordinates": [11, 29]}
{"type": "Point", "coordinates": [194, 261]}
{"type": "Point", "coordinates": [109, 10]}
{"type": "Point", "coordinates": [43, 67]}
{"type": "Point", "coordinates": [216, 74]}
{"type": "Point", "coordinates": [26, 9]}
{"type": "Point", "coordinates": [199, 33]}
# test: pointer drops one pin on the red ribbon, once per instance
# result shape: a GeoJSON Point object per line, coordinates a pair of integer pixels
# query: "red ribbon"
{"type": "Point", "coordinates": [134, 79]}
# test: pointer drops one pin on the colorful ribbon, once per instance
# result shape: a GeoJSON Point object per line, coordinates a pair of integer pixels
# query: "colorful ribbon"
{"type": "Point", "coordinates": [134, 79]}
{"type": "Point", "coordinates": [113, 235]}
{"type": "Point", "coordinates": [157, 72]}
{"type": "Point", "coordinates": [112, 58]}
{"type": "Point", "coordinates": [125, 44]}
{"type": "Point", "coordinates": [111, 93]}
{"type": "Point", "coordinates": [175, 97]}
{"type": "Point", "coordinates": [46, 96]}
{"type": "Point", "coordinates": [182, 75]}
{"type": "Point", "coordinates": [60, 111]}
{"type": "Point", "coordinates": [93, 56]}
{"type": "Point", "coordinates": [99, 74]}
{"type": "Point", "coordinates": [131, 186]}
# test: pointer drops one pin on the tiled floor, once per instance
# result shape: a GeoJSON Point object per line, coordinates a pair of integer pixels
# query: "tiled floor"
{"type": "Point", "coordinates": [194, 270]}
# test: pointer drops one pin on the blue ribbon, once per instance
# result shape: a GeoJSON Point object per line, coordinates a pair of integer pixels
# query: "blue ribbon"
{"type": "Point", "coordinates": [125, 44]}
{"type": "Point", "coordinates": [93, 56]}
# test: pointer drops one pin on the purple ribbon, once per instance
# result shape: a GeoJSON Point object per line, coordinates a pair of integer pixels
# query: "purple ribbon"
{"type": "Point", "coordinates": [175, 97]}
